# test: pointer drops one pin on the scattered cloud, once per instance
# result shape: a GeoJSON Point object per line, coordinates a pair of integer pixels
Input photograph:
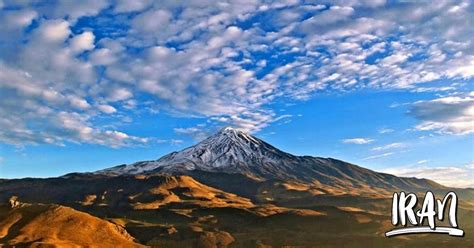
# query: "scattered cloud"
{"type": "Point", "coordinates": [107, 109]}
{"type": "Point", "coordinates": [56, 117]}
{"type": "Point", "coordinates": [176, 142]}
{"type": "Point", "coordinates": [124, 6]}
{"type": "Point", "coordinates": [132, 53]}
{"type": "Point", "coordinates": [358, 141]}
{"type": "Point", "coordinates": [448, 115]}
{"type": "Point", "coordinates": [434, 89]}
{"type": "Point", "coordinates": [389, 146]}
{"type": "Point", "coordinates": [281, 117]}
{"type": "Point", "coordinates": [379, 156]}
{"type": "Point", "coordinates": [454, 176]}
{"type": "Point", "coordinates": [385, 130]}
{"type": "Point", "coordinates": [198, 132]}
{"type": "Point", "coordinates": [188, 130]}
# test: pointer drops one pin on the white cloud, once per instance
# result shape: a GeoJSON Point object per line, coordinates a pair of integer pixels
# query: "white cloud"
{"type": "Point", "coordinates": [358, 141]}
{"type": "Point", "coordinates": [176, 142]}
{"type": "Point", "coordinates": [281, 117]}
{"type": "Point", "coordinates": [78, 102]}
{"type": "Point", "coordinates": [452, 114]}
{"type": "Point", "coordinates": [198, 132]}
{"type": "Point", "coordinates": [103, 56]}
{"type": "Point", "coordinates": [19, 19]}
{"type": "Point", "coordinates": [82, 42]}
{"type": "Point", "coordinates": [454, 176]}
{"type": "Point", "coordinates": [188, 130]}
{"type": "Point", "coordinates": [389, 146]}
{"type": "Point", "coordinates": [394, 59]}
{"type": "Point", "coordinates": [73, 10]}
{"type": "Point", "coordinates": [119, 94]}
{"type": "Point", "coordinates": [195, 59]}
{"type": "Point", "coordinates": [385, 130]}
{"type": "Point", "coordinates": [152, 21]}
{"type": "Point", "coordinates": [434, 89]}
{"type": "Point", "coordinates": [131, 5]}
{"type": "Point", "coordinates": [54, 31]}
{"type": "Point", "coordinates": [107, 109]}
{"type": "Point", "coordinates": [379, 156]}
{"type": "Point", "coordinates": [332, 15]}
{"type": "Point", "coordinates": [57, 118]}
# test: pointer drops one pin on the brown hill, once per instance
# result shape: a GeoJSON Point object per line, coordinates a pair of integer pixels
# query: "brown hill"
{"type": "Point", "coordinates": [121, 192]}
{"type": "Point", "coordinates": [41, 225]}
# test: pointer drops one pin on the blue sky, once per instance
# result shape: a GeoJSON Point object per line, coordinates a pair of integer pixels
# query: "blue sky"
{"type": "Point", "coordinates": [383, 84]}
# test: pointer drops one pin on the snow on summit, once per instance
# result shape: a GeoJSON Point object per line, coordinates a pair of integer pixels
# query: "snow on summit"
{"type": "Point", "coordinates": [232, 151]}
{"type": "Point", "coordinates": [229, 147]}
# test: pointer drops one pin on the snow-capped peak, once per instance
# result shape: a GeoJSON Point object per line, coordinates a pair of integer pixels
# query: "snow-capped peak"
{"type": "Point", "coordinates": [232, 151]}
{"type": "Point", "coordinates": [230, 134]}
{"type": "Point", "coordinates": [228, 149]}
{"type": "Point", "coordinates": [228, 129]}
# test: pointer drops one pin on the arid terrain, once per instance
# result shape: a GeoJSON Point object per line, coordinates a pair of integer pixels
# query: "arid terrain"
{"type": "Point", "coordinates": [274, 200]}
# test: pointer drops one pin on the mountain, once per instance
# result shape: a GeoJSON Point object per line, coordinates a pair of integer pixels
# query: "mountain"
{"type": "Point", "coordinates": [229, 151]}
{"type": "Point", "coordinates": [230, 190]}
{"type": "Point", "coordinates": [234, 152]}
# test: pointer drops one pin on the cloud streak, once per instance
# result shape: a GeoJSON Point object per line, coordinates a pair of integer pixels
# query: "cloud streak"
{"type": "Point", "coordinates": [358, 141]}
{"type": "Point", "coordinates": [454, 176]}
{"type": "Point", "coordinates": [448, 115]}
{"type": "Point", "coordinates": [383, 155]}
{"type": "Point", "coordinates": [390, 146]}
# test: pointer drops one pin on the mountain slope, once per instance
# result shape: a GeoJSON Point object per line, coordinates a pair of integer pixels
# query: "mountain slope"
{"type": "Point", "coordinates": [39, 225]}
{"type": "Point", "coordinates": [120, 192]}
{"type": "Point", "coordinates": [232, 151]}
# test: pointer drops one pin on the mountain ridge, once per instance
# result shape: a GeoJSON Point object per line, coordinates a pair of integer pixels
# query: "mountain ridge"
{"type": "Point", "coordinates": [233, 151]}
